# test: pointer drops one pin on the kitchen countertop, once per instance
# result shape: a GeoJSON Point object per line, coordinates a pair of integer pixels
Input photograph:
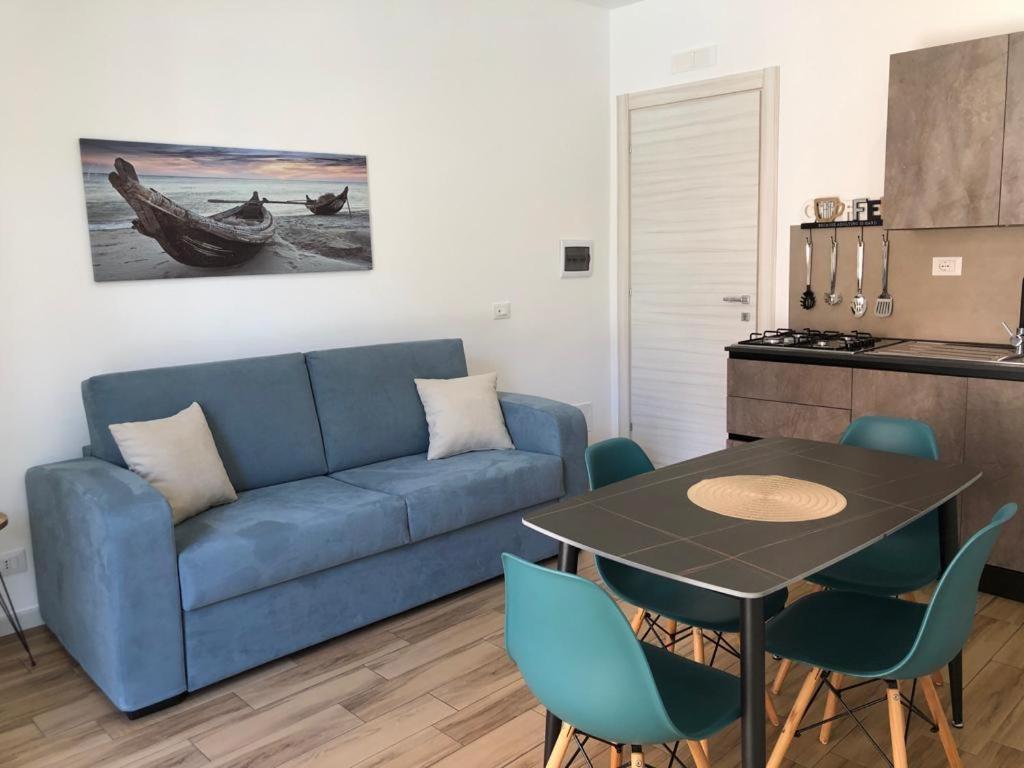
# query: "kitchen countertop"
{"type": "Point", "coordinates": [887, 360]}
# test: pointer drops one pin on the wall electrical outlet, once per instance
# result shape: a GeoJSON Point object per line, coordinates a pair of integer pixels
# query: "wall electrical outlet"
{"type": "Point", "coordinates": [947, 266]}
{"type": "Point", "coordinates": [502, 310]}
{"type": "Point", "coordinates": [13, 562]}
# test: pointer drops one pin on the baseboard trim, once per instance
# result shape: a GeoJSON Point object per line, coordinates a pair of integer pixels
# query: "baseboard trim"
{"type": "Point", "coordinates": [1003, 582]}
{"type": "Point", "coordinates": [29, 617]}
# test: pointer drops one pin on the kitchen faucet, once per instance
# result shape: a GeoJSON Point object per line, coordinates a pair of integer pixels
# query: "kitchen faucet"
{"type": "Point", "coordinates": [1017, 339]}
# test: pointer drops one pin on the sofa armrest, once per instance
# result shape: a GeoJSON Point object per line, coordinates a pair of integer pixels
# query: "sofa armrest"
{"type": "Point", "coordinates": [548, 426]}
{"type": "Point", "coordinates": [107, 576]}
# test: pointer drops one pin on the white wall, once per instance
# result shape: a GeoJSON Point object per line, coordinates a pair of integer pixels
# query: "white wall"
{"type": "Point", "coordinates": [485, 123]}
{"type": "Point", "coordinates": [834, 60]}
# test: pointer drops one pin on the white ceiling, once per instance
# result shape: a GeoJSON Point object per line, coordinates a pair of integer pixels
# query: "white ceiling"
{"type": "Point", "coordinates": [609, 4]}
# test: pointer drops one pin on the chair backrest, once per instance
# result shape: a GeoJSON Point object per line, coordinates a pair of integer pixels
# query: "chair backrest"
{"type": "Point", "coordinates": [579, 656]}
{"type": "Point", "coordinates": [613, 460]}
{"type": "Point", "coordinates": [884, 433]}
{"type": "Point", "coordinates": [947, 622]}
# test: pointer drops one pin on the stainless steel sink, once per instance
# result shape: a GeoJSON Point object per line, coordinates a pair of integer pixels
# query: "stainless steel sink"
{"type": "Point", "coordinates": [947, 350]}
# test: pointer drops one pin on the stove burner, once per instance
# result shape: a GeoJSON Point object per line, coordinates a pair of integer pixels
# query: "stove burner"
{"type": "Point", "coordinates": [809, 338]}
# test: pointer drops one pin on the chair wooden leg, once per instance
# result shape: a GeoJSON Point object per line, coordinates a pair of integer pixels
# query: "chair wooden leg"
{"type": "Point", "coordinates": [638, 620]}
{"type": "Point", "coordinates": [636, 757]}
{"type": "Point", "coordinates": [937, 679]}
{"type": "Point", "coordinates": [615, 757]}
{"type": "Point", "coordinates": [831, 705]}
{"type": "Point", "coordinates": [770, 711]}
{"type": "Point", "coordinates": [780, 676]}
{"type": "Point", "coordinates": [796, 716]}
{"type": "Point", "coordinates": [698, 656]}
{"type": "Point", "coordinates": [561, 746]}
{"type": "Point", "coordinates": [897, 725]}
{"type": "Point", "coordinates": [939, 716]}
{"type": "Point", "coordinates": [700, 757]}
{"type": "Point", "coordinates": [671, 627]}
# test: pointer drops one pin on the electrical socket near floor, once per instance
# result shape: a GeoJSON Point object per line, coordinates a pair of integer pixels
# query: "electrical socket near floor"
{"type": "Point", "coordinates": [13, 562]}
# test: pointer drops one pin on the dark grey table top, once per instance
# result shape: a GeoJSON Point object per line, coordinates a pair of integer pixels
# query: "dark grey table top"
{"type": "Point", "coordinates": [648, 521]}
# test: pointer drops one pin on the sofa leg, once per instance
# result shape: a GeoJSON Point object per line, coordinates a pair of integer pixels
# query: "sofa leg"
{"type": "Point", "coordinates": [135, 714]}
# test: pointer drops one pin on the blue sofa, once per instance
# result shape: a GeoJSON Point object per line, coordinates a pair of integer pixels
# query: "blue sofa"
{"type": "Point", "coordinates": [340, 521]}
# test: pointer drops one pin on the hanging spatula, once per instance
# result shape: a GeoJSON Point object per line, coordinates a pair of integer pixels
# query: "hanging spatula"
{"type": "Point", "coordinates": [883, 304]}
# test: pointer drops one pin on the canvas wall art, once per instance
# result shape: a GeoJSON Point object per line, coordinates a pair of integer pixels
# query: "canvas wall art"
{"type": "Point", "coordinates": [175, 210]}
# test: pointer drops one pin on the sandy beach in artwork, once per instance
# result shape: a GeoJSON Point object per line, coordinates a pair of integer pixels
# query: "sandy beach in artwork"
{"type": "Point", "coordinates": [302, 243]}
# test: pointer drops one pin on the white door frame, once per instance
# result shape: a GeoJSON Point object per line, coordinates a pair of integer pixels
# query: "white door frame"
{"type": "Point", "coordinates": [767, 82]}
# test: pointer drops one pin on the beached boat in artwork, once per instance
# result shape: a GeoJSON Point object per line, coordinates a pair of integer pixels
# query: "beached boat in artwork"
{"type": "Point", "coordinates": [329, 204]}
{"type": "Point", "coordinates": [222, 240]}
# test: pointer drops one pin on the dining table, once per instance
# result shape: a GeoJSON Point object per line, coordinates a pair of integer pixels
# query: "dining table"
{"type": "Point", "coordinates": [649, 522]}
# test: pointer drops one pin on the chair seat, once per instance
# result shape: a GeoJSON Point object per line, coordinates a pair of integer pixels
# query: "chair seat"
{"type": "Point", "coordinates": [901, 563]}
{"type": "Point", "coordinates": [275, 534]}
{"type": "Point", "coordinates": [447, 494]}
{"type": "Point", "coordinates": [700, 700]}
{"type": "Point", "coordinates": [852, 633]}
{"type": "Point", "coordinates": [680, 602]}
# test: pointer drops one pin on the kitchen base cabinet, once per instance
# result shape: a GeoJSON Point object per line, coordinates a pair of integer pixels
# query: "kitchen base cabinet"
{"type": "Point", "coordinates": [936, 400]}
{"type": "Point", "coordinates": [995, 444]}
{"type": "Point", "coordinates": [977, 421]}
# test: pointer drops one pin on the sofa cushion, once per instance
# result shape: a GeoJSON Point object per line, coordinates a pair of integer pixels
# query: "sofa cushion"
{"type": "Point", "coordinates": [260, 411]}
{"type": "Point", "coordinates": [274, 534]}
{"type": "Point", "coordinates": [368, 405]}
{"type": "Point", "coordinates": [448, 494]}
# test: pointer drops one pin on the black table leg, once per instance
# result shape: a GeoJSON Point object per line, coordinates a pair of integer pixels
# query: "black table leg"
{"type": "Point", "coordinates": [568, 562]}
{"type": "Point", "coordinates": [12, 616]}
{"type": "Point", "coordinates": [949, 545]}
{"type": "Point", "coordinates": [753, 682]}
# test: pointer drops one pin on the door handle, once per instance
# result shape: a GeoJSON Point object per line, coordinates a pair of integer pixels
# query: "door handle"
{"type": "Point", "coordinates": [744, 299]}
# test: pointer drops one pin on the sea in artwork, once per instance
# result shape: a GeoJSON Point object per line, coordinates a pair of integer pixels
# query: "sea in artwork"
{"type": "Point", "coordinates": [301, 242]}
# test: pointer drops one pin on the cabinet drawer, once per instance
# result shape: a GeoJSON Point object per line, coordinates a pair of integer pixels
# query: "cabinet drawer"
{"type": "Point", "coordinates": [766, 418]}
{"type": "Point", "coordinates": [790, 383]}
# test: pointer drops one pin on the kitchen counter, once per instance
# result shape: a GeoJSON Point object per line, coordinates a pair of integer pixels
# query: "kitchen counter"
{"type": "Point", "coordinates": [887, 358]}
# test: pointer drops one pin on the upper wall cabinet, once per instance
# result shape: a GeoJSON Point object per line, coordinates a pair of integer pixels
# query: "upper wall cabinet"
{"type": "Point", "coordinates": [1011, 203]}
{"type": "Point", "coordinates": [944, 138]}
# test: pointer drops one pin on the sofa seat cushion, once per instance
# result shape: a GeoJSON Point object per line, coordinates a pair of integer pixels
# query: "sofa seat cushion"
{"type": "Point", "coordinates": [274, 534]}
{"type": "Point", "coordinates": [448, 494]}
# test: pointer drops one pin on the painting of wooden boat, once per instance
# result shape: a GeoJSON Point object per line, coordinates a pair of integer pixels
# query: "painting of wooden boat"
{"type": "Point", "coordinates": [224, 239]}
{"type": "Point", "coordinates": [329, 204]}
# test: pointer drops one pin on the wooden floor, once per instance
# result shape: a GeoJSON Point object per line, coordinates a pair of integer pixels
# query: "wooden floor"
{"type": "Point", "coordinates": [431, 687]}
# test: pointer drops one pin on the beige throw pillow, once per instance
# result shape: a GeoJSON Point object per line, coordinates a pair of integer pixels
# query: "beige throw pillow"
{"type": "Point", "coordinates": [178, 457]}
{"type": "Point", "coordinates": [463, 415]}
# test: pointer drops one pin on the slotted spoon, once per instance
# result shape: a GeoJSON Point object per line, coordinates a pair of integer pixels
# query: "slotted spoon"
{"type": "Point", "coordinates": [883, 304]}
{"type": "Point", "coordinates": [807, 299]}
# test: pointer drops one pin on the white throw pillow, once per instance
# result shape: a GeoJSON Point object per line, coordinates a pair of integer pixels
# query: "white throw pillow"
{"type": "Point", "coordinates": [463, 415]}
{"type": "Point", "coordinates": [178, 457]}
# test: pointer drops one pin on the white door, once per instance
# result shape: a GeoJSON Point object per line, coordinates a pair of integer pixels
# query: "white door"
{"type": "Point", "coordinates": [694, 172]}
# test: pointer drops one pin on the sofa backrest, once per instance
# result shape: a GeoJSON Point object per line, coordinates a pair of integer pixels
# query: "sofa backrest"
{"type": "Point", "coordinates": [260, 410]}
{"type": "Point", "coordinates": [368, 404]}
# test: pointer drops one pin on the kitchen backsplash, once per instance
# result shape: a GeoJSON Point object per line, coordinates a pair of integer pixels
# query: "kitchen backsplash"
{"type": "Point", "coordinates": [965, 308]}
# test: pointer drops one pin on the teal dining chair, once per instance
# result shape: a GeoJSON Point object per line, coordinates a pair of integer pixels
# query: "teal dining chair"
{"type": "Point", "coordinates": [580, 658]}
{"type": "Point", "coordinates": [876, 637]}
{"type": "Point", "coordinates": [665, 607]}
{"type": "Point", "coordinates": [904, 562]}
